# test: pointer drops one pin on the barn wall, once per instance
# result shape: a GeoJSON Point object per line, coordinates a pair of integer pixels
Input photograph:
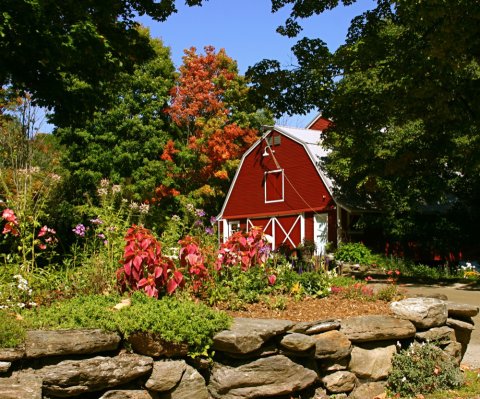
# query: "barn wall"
{"type": "Point", "coordinates": [248, 196]}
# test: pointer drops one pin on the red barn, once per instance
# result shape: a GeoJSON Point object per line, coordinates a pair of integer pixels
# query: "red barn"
{"type": "Point", "coordinates": [280, 187]}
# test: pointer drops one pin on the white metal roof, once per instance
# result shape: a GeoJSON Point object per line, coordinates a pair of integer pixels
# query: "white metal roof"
{"type": "Point", "coordinates": [312, 142]}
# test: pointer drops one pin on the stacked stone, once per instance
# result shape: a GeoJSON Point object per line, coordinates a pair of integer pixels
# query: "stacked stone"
{"type": "Point", "coordinates": [255, 358]}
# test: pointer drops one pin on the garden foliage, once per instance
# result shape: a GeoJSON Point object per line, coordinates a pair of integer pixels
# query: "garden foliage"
{"type": "Point", "coordinates": [423, 368]}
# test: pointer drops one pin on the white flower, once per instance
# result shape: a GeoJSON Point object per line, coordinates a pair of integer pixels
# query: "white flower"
{"type": "Point", "coordinates": [104, 183]}
{"type": "Point", "coordinates": [144, 208]}
{"type": "Point", "coordinates": [116, 188]}
{"type": "Point", "coordinates": [133, 206]}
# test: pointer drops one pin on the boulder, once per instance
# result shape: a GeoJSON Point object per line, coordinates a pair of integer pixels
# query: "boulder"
{"type": "Point", "coordinates": [42, 343]}
{"type": "Point", "coordinates": [315, 327]}
{"type": "Point", "coordinates": [323, 326]}
{"type": "Point", "coordinates": [461, 311]}
{"type": "Point", "coordinates": [373, 363]}
{"type": "Point", "coordinates": [377, 328]}
{"type": "Point", "coordinates": [369, 390]}
{"type": "Point", "coordinates": [439, 334]}
{"type": "Point", "coordinates": [422, 312]}
{"type": "Point", "coordinates": [463, 332]}
{"type": "Point", "coordinates": [271, 376]}
{"type": "Point", "coordinates": [332, 345]}
{"type": "Point", "coordinates": [340, 382]}
{"type": "Point", "coordinates": [75, 377]}
{"type": "Point", "coordinates": [166, 375]}
{"type": "Point", "coordinates": [454, 349]}
{"type": "Point", "coordinates": [460, 324]}
{"type": "Point", "coordinates": [151, 344]}
{"type": "Point", "coordinates": [248, 335]}
{"type": "Point", "coordinates": [128, 394]}
{"type": "Point", "coordinates": [4, 367]}
{"type": "Point", "coordinates": [11, 354]}
{"type": "Point", "coordinates": [297, 342]}
{"type": "Point", "coordinates": [23, 385]}
{"type": "Point", "coordinates": [192, 385]}
{"type": "Point", "coordinates": [334, 365]}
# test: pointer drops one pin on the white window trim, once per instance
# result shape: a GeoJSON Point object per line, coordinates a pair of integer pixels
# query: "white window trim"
{"type": "Point", "coordinates": [230, 223]}
{"type": "Point", "coordinates": [283, 186]}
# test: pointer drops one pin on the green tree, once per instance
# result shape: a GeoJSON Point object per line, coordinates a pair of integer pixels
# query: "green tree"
{"type": "Point", "coordinates": [66, 52]}
{"type": "Point", "coordinates": [403, 94]}
{"type": "Point", "coordinates": [124, 142]}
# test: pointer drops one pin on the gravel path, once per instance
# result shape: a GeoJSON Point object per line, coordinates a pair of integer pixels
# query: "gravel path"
{"type": "Point", "coordinates": [459, 293]}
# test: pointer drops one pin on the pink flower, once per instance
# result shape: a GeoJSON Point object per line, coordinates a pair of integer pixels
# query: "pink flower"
{"type": "Point", "coordinates": [9, 216]}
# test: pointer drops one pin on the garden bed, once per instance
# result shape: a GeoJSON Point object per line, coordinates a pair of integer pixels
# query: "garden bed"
{"type": "Point", "coordinates": [310, 309]}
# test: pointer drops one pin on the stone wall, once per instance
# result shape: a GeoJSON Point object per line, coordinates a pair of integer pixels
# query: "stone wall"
{"type": "Point", "coordinates": [255, 358]}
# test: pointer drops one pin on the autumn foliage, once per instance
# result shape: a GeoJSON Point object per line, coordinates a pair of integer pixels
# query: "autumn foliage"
{"type": "Point", "coordinates": [215, 123]}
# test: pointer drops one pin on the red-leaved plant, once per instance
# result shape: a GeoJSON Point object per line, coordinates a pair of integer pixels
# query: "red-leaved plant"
{"type": "Point", "coordinates": [244, 248]}
{"type": "Point", "coordinates": [144, 267]}
{"type": "Point", "coordinates": [192, 259]}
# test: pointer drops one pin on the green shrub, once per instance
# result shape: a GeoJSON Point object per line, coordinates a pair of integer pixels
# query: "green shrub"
{"type": "Point", "coordinates": [315, 284]}
{"type": "Point", "coordinates": [12, 332]}
{"type": "Point", "coordinates": [421, 369]}
{"type": "Point", "coordinates": [175, 320]}
{"type": "Point", "coordinates": [354, 252]}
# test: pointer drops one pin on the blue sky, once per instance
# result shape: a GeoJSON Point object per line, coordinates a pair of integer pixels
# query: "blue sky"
{"type": "Point", "coordinates": [246, 29]}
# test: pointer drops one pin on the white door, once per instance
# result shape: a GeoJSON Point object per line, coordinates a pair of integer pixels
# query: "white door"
{"type": "Point", "coordinates": [320, 232]}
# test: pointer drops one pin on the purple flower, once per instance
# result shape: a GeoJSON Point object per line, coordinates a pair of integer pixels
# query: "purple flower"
{"type": "Point", "coordinates": [198, 223]}
{"type": "Point", "coordinates": [101, 235]}
{"type": "Point", "coordinates": [79, 230]}
{"type": "Point", "coordinates": [213, 220]}
{"type": "Point", "coordinates": [200, 212]}
{"type": "Point", "coordinates": [96, 221]}
{"type": "Point", "coordinates": [209, 231]}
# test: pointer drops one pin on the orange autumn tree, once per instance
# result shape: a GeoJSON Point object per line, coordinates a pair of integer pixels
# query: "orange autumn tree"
{"type": "Point", "coordinates": [216, 124]}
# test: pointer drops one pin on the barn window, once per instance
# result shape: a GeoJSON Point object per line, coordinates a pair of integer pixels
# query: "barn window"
{"type": "Point", "coordinates": [274, 186]}
{"type": "Point", "coordinates": [274, 140]}
{"type": "Point", "coordinates": [233, 227]}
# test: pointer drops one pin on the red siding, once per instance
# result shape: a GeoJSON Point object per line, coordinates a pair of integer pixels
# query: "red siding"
{"type": "Point", "coordinates": [320, 124]}
{"type": "Point", "coordinates": [247, 197]}
{"type": "Point", "coordinates": [309, 226]}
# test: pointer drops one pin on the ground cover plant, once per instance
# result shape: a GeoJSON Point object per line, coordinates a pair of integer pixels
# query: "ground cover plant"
{"type": "Point", "coordinates": [421, 369]}
{"type": "Point", "coordinates": [175, 319]}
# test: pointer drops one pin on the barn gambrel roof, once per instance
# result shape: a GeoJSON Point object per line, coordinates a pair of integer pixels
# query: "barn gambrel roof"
{"type": "Point", "coordinates": [310, 140]}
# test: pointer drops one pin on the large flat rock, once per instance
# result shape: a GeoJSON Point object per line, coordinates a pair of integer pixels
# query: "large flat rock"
{"type": "Point", "coordinates": [267, 377]}
{"type": "Point", "coordinates": [373, 363]}
{"type": "Point", "coordinates": [332, 345]}
{"type": "Point", "coordinates": [461, 311]}
{"type": "Point", "coordinates": [377, 328]}
{"type": "Point", "coordinates": [75, 377]}
{"type": "Point", "coordinates": [22, 385]}
{"type": "Point", "coordinates": [150, 344]}
{"type": "Point", "coordinates": [422, 312]}
{"type": "Point", "coordinates": [247, 335]}
{"type": "Point", "coordinates": [166, 375]}
{"type": "Point", "coordinates": [192, 385]}
{"type": "Point", "coordinates": [42, 343]}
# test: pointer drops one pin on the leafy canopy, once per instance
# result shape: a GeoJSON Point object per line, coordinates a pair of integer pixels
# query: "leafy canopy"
{"type": "Point", "coordinates": [124, 141]}
{"type": "Point", "coordinates": [403, 93]}
{"type": "Point", "coordinates": [66, 52]}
